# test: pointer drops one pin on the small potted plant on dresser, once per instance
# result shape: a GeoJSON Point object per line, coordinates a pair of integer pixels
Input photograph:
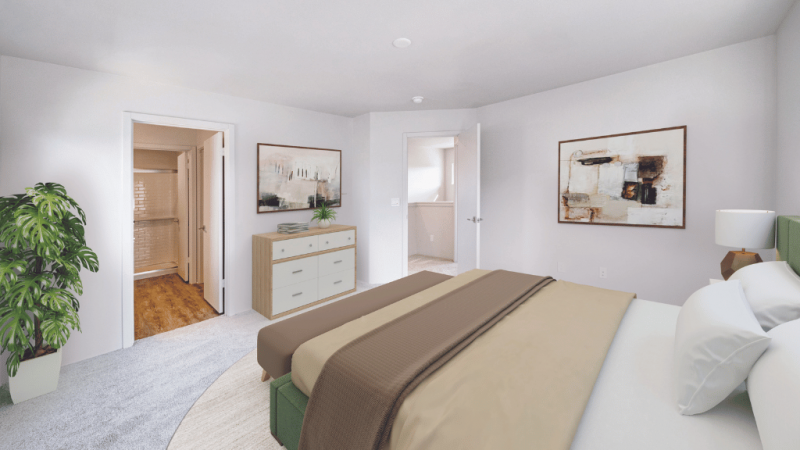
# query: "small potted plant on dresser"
{"type": "Point", "coordinates": [42, 251]}
{"type": "Point", "coordinates": [324, 216]}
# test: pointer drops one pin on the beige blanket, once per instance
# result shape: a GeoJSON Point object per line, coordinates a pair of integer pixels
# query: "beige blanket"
{"type": "Point", "coordinates": [523, 384]}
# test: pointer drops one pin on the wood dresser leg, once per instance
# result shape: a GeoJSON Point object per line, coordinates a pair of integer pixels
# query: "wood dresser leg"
{"type": "Point", "coordinates": [264, 375]}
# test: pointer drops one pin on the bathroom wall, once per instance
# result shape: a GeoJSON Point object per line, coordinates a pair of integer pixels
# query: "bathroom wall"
{"type": "Point", "coordinates": [431, 229]}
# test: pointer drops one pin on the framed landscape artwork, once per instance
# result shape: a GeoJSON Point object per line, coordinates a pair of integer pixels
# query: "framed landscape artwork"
{"type": "Point", "coordinates": [631, 179]}
{"type": "Point", "coordinates": [296, 178]}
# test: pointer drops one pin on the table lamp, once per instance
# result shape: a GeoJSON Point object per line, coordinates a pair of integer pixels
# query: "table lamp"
{"type": "Point", "coordinates": [743, 228]}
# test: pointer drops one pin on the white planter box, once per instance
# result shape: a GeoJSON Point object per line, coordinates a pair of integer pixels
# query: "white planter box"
{"type": "Point", "coordinates": [35, 377]}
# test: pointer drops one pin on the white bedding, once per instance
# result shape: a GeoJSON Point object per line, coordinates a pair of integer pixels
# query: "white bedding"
{"type": "Point", "coordinates": [633, 406]}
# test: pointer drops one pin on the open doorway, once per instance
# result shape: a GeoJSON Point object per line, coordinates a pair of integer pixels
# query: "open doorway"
{"type": "Point", "coordinates": [432, 232]}
{"type": "Point", "coordinates": [177, 209]}
{"type": "Point", "coordinates": [442, 174]}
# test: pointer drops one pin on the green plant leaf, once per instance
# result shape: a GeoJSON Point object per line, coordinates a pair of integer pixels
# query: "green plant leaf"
{"type": "Point", "coordinates": [42, 235]}
{"type": "Point", "coordinates": [50, 199]}
{"type": "Point", "coordinates": [12, 364]}
{"type": "Point", "coordinates": [27, 290]}
{"type": "Point", "coordinates": [87, 258]}
{"type": "Point", "coordinates": [73, 228]}
{"type": "Point", "coordinates": [57, 299]}
{"type": "Point", "coordinates": [56, 327]}
{"type": "Point", "coordinates": [9, 270]}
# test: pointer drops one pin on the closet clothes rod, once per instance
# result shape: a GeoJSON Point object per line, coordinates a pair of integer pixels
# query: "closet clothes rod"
{"type": "Point", "coordinates": [155, 170]}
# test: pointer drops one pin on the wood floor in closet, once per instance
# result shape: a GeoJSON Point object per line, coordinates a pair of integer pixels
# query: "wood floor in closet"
{"type": "Point", "coordinates": [166, 303]}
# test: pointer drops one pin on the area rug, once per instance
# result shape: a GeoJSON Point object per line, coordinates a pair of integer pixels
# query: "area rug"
{"type": "Point", "coordinates": [233, 413]}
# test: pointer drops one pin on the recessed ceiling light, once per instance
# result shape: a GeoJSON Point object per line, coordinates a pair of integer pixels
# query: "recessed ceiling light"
{"type": "Point", "coordinates": [417, 99]}
{"type": "Point", "coordinates": [401, 42]}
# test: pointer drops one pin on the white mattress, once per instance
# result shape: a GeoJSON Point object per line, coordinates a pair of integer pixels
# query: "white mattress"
{"type": "Point", "coordinates": [632, 405]}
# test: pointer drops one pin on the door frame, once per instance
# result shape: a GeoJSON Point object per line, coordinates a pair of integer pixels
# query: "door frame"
{"type": "Point", "coordinates": [227, 258]}
{"type": "Point", "coordinates": [404, 196]}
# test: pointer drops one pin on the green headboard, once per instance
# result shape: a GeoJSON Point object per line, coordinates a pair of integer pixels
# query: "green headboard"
{"type": "Point", "coordinates": [789, 241]}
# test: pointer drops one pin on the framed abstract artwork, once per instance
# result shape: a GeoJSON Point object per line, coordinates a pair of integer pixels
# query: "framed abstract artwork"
{"type": "Point", "coordinates": [631, 179]}
{"type": "Point", "coordinates": [296, 178]}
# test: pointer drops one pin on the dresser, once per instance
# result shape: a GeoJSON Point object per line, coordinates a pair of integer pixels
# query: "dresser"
{"type": "Point", "coordinates": [295, 271]}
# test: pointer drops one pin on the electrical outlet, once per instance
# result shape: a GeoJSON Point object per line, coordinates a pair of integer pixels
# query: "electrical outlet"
{"type": "Point", "coordinates": [431, 238]}
{"type": "Point", "coordinates": [562, 267]}
{"type": "Point", "coordinates": [603, 272]}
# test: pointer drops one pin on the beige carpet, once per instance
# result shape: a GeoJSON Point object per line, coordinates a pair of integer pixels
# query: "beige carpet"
{"type": "Point", "coordinates": [233, 413]}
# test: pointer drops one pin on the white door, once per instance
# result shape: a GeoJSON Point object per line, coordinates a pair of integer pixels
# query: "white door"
{"type": "Point", "coordinates": [468, 198]}
{"type": "Point", "coordinates": [183, 216]}
{"type": "Point", "coordinates": [212, 220]}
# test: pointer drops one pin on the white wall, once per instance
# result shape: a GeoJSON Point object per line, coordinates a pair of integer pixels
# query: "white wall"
{"type": "Point", "coordinates": [386, 169]}
{"type": "Point", "coordinates": [144, 133]}
{"type": "Point", "coordinates": [358, 172]}
{"type": "Point", "coordinates": [426, 173]}
{"type": "Point", "coordinates": [727, 99]}
{"type": "Point", "coordinates": [431, 219]}
{"type": "Point", "coordinates": [788, 191]}
{"type": "Point", "coordinates": [65, 125]}
{"type": "Point", "coordinates": [449, 181]}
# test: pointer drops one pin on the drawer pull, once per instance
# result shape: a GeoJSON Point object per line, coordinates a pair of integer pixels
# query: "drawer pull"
{"type": "Point", "coordinates": [349, 239]}
{"type": "Point", "coordinates": [297, 271]}
{"type": "Point", "coordinates": [295, 295]}
{"type": "Point", "coordinates": [310, 245]}
{"type": "Point", "coordinates": [326, 242]}
{"type": "Point", "coordinates": [337, 262]}
{"type": "Point", "coordinates": [283, 249]}
{"type": "Point", "coordinates": [337, 282]}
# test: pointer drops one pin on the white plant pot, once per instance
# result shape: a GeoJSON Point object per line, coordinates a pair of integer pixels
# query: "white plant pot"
{"type": "Point", "coordinates": [324, 223]}
{"type": "Point", "coordinates": [35, 377]}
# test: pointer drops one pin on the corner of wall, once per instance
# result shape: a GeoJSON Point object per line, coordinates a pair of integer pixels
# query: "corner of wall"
{"type": "Point", "coordinates": [360, 144]}
{"type": "Point", "coordinates": [788, 112]}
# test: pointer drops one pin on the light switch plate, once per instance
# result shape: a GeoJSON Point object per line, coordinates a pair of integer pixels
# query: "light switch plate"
{"type": "Point", "coordinates": [395, 202]}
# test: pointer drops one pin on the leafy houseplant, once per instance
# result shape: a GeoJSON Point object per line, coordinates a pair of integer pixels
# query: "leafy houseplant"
{"type": "Point", "coordinates": [324, 215]}
{"type": "Point", "coordinates": [42, 250]}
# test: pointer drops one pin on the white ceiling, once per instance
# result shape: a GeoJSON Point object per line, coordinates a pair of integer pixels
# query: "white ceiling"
{"type": "Point", "coordinates": [337, 56]}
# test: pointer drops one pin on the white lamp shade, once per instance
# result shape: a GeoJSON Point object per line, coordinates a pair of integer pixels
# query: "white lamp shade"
{"type": "Point", "coordinates": [745, 228]}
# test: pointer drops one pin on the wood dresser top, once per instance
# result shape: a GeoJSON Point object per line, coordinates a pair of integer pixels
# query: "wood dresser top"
{"type": "Point", "coordinates": [312, 231]}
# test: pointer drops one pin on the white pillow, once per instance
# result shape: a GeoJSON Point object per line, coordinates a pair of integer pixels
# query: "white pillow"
{"type": "Point", "coordinates": [773, 291]}
{"type": "Point", "coordinates": [774, 388]}
{"type": "Point", "coordinates": [717, 341]}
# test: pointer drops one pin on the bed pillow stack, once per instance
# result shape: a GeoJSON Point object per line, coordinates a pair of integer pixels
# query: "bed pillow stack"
{"type": "Point", "coordinates": [722, 331]}
{"type": "Point", "coordinates": [717, 341]}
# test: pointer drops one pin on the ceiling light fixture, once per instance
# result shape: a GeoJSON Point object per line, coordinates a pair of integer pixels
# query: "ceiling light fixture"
{"type": "Point", "coordinates": [401, 42]}
{"type": "Point", "coordinates": [417, 99]}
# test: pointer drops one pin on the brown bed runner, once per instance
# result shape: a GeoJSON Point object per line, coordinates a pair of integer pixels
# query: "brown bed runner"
{"type": "Point", "coordinates": [362, 386]}
{"type": "Point", "coordinates": [278, 342]}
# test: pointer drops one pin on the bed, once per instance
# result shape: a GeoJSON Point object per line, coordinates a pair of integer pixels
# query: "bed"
{"type": "Point", "coordinates": [630, 403]}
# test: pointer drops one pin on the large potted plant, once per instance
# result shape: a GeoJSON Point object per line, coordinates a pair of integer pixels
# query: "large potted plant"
{"type": "Point", "coordinates": [42, 251]}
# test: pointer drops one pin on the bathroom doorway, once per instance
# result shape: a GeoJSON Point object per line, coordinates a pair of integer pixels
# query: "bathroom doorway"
{"type": "Point", "coordinates": [431, 204]}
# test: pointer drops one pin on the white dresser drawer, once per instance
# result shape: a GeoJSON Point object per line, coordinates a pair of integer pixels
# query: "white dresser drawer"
{"type": "Point", "coordinates": [336, 283]}
{"type": "Point", "coordinates": [338, 239]}
{"type": "Point", "coordinates": [294, 247]}
{"type": "Point", "coordinates": [293, 272]}
{"type": "Point", "coordinates": [294, 296]}
{"type": "Point", "coordinates": [337, 261]}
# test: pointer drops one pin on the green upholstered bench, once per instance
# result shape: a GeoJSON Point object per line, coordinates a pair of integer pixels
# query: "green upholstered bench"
{"type": "Point", "coordinates": [287, 406]}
